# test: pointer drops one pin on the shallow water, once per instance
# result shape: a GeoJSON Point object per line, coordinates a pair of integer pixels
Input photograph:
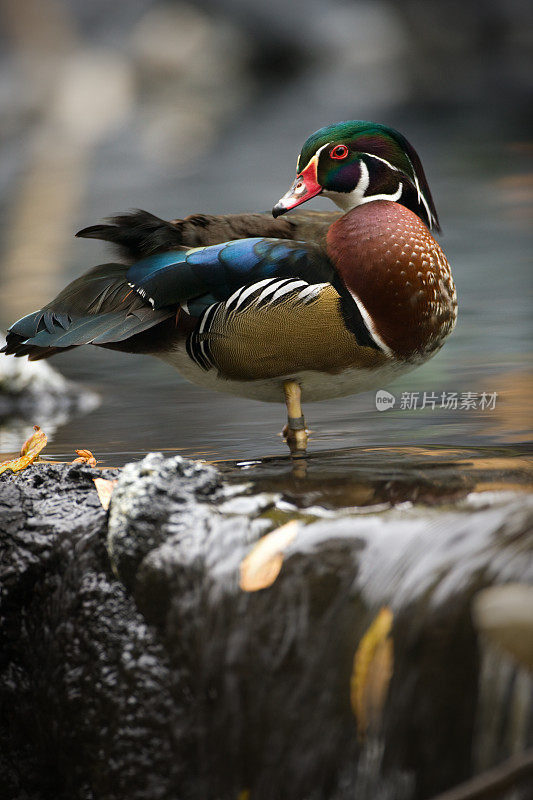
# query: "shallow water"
{"type": "Point", "coordinates": [477, 157]}
{"type": "Point", "coordinates": [368, 479]}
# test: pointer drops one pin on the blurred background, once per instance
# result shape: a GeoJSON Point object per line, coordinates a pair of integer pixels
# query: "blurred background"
{"type": "Point", "coordinates": [203, 106]}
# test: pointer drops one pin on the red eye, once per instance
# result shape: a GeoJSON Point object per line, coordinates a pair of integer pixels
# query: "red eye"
{"type": "Point", "coordinates": [340, 151]}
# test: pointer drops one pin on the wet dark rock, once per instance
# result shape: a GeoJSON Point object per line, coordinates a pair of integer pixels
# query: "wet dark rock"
{"type": "Point", "coordinates": [170, 681]}
{"type": "Point", "coordinates": [33, 392]}
{"type": "Point", "coordinates": [155, 499]}
{"type": "Point", "coordinates": [87, 710]}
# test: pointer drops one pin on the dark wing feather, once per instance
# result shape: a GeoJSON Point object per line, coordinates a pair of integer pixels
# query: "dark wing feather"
{"type": "Point", "coordinates": [218, 271]}
{"type": "Point", "coordinates": [139, 234]}
{"type": "Point", "coordinates": [96, 308]}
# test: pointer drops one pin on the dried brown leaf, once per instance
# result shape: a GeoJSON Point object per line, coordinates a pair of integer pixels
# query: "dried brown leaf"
{"type": "Point", "coordinates": [105, 490]}
{"type": "Point", "coordinates": [29, 452]}
{"type": "Point", "coordinates": [260, 568]}
{"type": "Point", "coordinates": [372, 670]}
{"type": "Point", "coordinates": [85, 457]}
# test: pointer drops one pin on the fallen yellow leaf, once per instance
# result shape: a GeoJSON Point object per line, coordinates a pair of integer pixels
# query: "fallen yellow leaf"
{"type": "Point", "coordinates": [29, 452]}
{"type": "Point", "coordinates": [260, 568]}
{"type": "Point", "coordinates": [372, 670]}
{"type": "Point", "coordinates": [85, 457]}
{"type": "Point", "coordinates": [105, 490]}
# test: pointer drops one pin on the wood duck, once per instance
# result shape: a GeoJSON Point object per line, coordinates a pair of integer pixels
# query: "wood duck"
{"type": "Point", "coordinates": [317, 304]}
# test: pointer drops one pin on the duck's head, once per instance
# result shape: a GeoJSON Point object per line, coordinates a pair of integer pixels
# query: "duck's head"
{"type": "Point", "coordinates": [357, 162]}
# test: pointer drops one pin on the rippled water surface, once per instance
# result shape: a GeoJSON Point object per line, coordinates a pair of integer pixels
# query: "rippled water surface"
{"type": "Point", "coordinates": [146, 406]}
{"type": "Point", "coordinates": [478, 173]}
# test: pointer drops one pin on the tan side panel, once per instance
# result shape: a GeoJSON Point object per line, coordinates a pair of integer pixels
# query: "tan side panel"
{"type": "Point", "coordinates": [274, 340]}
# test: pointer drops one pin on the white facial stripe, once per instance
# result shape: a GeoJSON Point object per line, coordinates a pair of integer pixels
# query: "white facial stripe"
{"type": "Point", "coordinates": [363, 182]}
{"type": "Point", "coordinates": [420, 195]}
{"type": "Point", "coordinates": [415, 177]}
{"type": "Point", "coordinates": [384, 160]}
{"type": "Point", "coordinates": [357, 197]}
{"type": "Point", "coordinates": [287, 201]}
{"type": "Point", "coordinates": [431, 218]}
{"type": "Point", "coordinates": [367, 319]}
{"type": "Point", "coordinates": [348, 200]}
{"type": "Point", "coordinates": [393, 197]}
{"type": "Point", "coordinates": [315, 156]}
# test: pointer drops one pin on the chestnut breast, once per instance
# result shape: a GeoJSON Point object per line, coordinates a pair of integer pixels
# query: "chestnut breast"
{"type": "Point", "coordinates": [388, 259]}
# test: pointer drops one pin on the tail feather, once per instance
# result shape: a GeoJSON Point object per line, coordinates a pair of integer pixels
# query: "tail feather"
{"type": "Point", "coordinates": [140, 234]}
{"type": "Point", "coordinates": [96, 308]}
{"type": "Point", "coordinates": [136, 234]}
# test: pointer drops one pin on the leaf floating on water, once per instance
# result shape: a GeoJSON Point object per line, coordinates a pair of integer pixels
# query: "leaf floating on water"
{"type": "Point", "coordinates": [262, 565]}
{"type": "Point", "coordinates": [105, 490]}
{"type": "Point", "coordinates": [29, 452]}
{"type": "Point", "coordinates": [85, 457]}
{"type": "Point", "coordinates": [372, 670]}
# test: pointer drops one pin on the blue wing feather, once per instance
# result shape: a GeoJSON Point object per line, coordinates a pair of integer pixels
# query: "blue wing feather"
{"type": "Point", "coordinates": [219, 270]}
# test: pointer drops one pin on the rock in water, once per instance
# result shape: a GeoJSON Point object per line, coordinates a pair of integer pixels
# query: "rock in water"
{"type": "Point", "coordinates": [137, 666]}
{"type": "Point", "coordinates": [86, 685]}
{"type": "Point", "coordinates": [33, 391]}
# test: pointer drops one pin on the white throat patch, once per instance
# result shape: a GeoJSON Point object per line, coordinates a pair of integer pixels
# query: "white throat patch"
{"type": "Point", "coordinates": [348, 200]}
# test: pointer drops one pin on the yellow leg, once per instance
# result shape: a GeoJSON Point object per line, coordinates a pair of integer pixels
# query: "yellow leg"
{"type": "Point", "coordinates": [294, 431]}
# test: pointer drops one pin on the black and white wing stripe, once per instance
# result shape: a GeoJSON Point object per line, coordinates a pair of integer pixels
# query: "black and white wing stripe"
{"type": "Point", "coordinates": [260, 295]}
{"type": "Point", "coordinates": [197, 344]}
